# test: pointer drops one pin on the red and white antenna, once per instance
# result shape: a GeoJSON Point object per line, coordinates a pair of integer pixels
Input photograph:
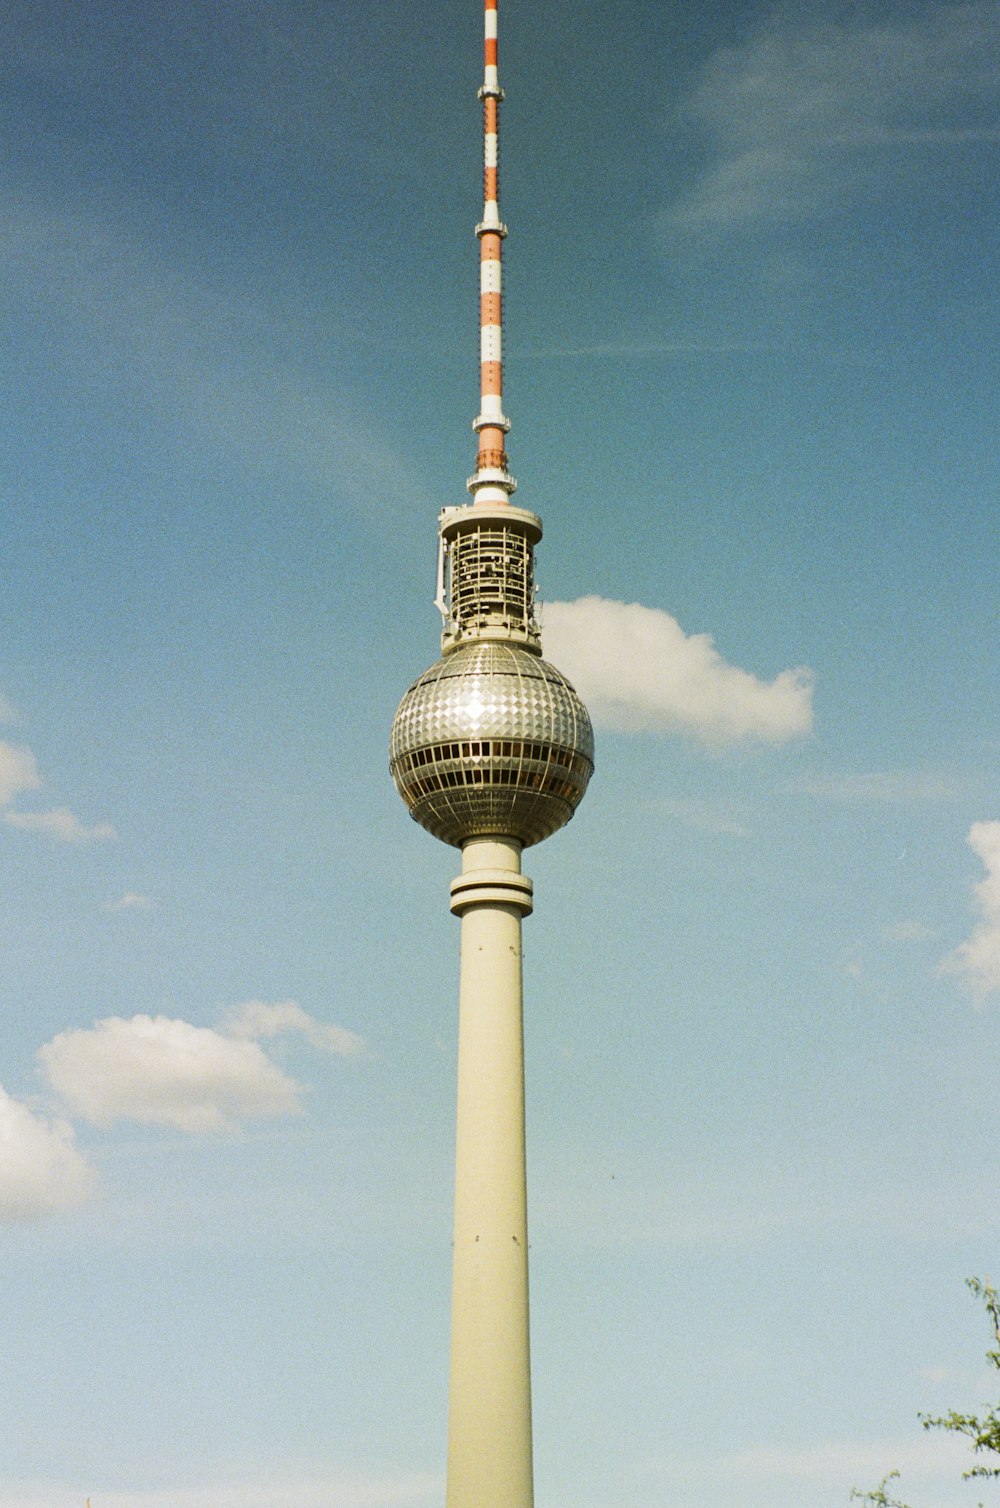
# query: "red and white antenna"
{"type": "Point", "coordinates": [491, 482]}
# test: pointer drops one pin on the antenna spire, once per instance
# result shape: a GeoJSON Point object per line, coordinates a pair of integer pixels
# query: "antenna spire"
{"type": "Point", "coordinates": [491, 482]}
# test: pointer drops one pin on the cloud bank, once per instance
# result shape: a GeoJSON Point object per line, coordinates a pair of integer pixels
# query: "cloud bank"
{"type": "Point", "coordinates": [978, 959]}
{"type": "Point", "coordinates": [41, 1170]}
{"type": "Point", "coordinates": [165, 1072]}
{"type": "Point", "coordinates": [636, 669]}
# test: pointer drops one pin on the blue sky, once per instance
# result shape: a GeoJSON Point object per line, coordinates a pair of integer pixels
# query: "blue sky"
{"type": "Point", "coordinates": [752, 367]}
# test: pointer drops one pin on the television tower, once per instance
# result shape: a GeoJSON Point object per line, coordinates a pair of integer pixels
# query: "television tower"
{"type": "Point", "coordinates": [491, 750]}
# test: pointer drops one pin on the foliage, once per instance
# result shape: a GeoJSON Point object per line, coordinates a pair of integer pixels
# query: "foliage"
{"type": "Point", "coordinates": [983, 1430]}
{"type": "Point", "coordinates": [878, 1497]}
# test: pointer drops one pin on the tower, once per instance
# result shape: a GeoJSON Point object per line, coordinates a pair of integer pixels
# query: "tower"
{"type": "Point", "coordinates": [491, 750]}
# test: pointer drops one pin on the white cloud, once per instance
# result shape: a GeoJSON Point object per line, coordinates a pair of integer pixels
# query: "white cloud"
{"type": "Point", "coordinates": [255, 1019]}
{"type": "Point", "coordinates": [18, 771]}
{"type": "Point", "coordinates": [805, 116]}
{"type": "Point", "coordinates": [636, 669]}
{"type": "Point", "coordinates": [8, 712]}
{"type": "Point", "coordinates": [131, 901]}
{"type": "Point", "coordinates": [979, 957]}
{"type": "Point", "coordinates": [165, 1072]}
{"type": "Point", "coordinates": [61, 824]}
{"type": "Point", "coordinates": [41, 1170]}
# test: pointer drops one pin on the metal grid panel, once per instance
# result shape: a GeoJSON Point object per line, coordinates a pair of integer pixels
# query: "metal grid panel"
{"type": "Point", "coordinates": [492, 579]}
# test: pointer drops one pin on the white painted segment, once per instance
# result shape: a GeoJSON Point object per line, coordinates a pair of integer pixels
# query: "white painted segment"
{"type": "Point", "coordinates": [491, 149]}
{"type": "Point", "coordinates": [489, 492]}
{"type": "Point", "coordinates": [491, 213]}
{"type": "Point", "coordinates": [491, 407]}
{"type": "Point", "coordinates": [491, 79]}
{"type": "Point", "coordinates": [490, 275]}
{"type": "Point", "coordinates": [490, 342]}
{"type": "Point", "coordinates": [491, 25]}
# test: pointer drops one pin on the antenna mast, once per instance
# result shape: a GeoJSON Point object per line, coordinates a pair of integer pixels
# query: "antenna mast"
{"type": "Point", "coordinates": [491, 483]}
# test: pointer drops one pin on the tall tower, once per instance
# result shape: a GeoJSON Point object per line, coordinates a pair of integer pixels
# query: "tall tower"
{"type": "Point", "coordinates": [491, 750]}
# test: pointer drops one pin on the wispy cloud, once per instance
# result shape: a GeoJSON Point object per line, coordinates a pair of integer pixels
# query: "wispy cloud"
{"type": "Point", "coordinates": [8, 712]}
{"type": "Point", "coordinates": [909, 931]}
{"type": "Point", "coordinates": [722, 817]}
{"type": "Point", "coordinates": [165, 1072]}
{"type": "Point", "coordinates": [41, 1170]}
{"type": "Point", "coordinates": [62, 825]}
{"type": "Point", "coordinates": [804, 117]}
{"type": "Point", "coordinates": [131, 901]}
{"type": "Point", "coordinates": [200, 352]}
{"type": "Point", "coordinates": [255, 1020]}
{"type": "Point", "coordinates": [18, 772]}
{"type": "Point", "coordinates": [636, 669]}
{"type": "Point", "coordinates": [978, 958]}
{"type": "Point", "coordinates": [18, 775]}
{"type": "Point", "coordinates": [893, 787]}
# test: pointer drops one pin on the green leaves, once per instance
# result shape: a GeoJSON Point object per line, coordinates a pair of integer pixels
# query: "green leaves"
{"type": "Point", "coordinates": [878, 1497]}
{"type": "Point", "coordinates": [983, 1430]}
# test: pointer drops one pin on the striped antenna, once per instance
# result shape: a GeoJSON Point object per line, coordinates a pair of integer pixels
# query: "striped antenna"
{"type": "Point", "coordinates": [491, 483]}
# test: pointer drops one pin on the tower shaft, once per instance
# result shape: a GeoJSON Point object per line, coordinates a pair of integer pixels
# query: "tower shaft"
{"type": "Point", "coordinates": [491, 750]}
{"type": "Point", "coordinates": [489, 1424]}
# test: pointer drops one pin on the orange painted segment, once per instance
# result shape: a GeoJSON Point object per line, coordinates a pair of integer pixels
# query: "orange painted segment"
{"type": "Point", "coordinates": [491, 115]}
{"type": "Point", "coordinates": [491, 51]}
{"type": "Point", "coordinates": [491, 184]}
{"type": "Point", "coordinates": [490, 244]}
{"type": "Point", "coordinates": [489, 309]}
{"type": "Point", "coordinates": [491, 376]}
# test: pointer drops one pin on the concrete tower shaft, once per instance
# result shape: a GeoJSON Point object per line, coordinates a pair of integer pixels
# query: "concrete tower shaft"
{"type": "Point", "coordinates": [489, 1410]}
{"type": "Point", "coordinates": [491, 750]}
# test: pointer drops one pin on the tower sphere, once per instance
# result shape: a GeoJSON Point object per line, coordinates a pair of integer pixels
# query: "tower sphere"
{"type": "Point", "coordinates": [491, 741]}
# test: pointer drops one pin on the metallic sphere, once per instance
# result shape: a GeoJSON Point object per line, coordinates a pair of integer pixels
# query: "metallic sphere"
{"type": "Point", "coordinates": [491, 741]}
